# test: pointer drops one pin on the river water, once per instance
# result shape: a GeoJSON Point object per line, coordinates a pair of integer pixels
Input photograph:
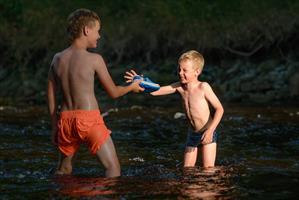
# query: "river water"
{"type": "Point", "coordinates": [257, 157]}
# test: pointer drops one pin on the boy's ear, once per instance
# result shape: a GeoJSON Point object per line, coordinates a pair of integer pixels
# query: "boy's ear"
{"type": "Point", "coordinates": [85, 30]}
{"type": "Point", "coordinates": [198, 72]}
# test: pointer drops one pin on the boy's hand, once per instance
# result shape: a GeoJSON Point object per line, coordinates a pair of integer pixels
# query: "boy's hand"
{"type": "Point", "coordinates": [130, 75]}
{"type": "Point", "coordinates": [136, 86]}
{"type": "Point", "coordinates": [207, 137]}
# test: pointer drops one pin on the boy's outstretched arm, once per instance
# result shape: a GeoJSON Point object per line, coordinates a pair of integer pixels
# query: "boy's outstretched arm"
{"type": "Point", "coordinates": [113, 90]}
{"type": "Point", "coordinates": [169, 89]}
{"type": "Point", "coordinates": [52, 103]}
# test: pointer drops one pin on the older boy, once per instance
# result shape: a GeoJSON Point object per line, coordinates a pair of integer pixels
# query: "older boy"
{"type": "Point", "coordinates": [196, 96]}
{"type": "Point", "coordinates": [72, 71]}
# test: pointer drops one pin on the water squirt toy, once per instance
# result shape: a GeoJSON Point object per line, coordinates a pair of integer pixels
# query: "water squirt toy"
{"type": "Point", "coordinates": [147, 84]}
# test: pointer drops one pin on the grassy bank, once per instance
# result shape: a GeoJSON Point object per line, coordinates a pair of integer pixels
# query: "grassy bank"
{"type": "Point", "coordinates": [150, 34]}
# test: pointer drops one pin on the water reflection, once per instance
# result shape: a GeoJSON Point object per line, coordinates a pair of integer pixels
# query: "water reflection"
{"type": "Point", "coordinates": [191, 183]}
{"type": "Point", "coordinates": [73, 186]}
{"type": "Point", "coordinates": [206, 183]}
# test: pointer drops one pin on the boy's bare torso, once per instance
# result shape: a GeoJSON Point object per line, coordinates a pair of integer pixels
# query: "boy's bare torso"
{"type": "Point", "coordinates": [74, 73]}
{"type": "Point", "coordinates": [195, 105]}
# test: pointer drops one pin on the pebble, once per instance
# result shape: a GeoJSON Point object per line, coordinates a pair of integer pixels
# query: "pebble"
{"type": "Point", "coordinates": [21, 176]}
{"type": "Point", "coordinates": [179, 115]}
{"type": "Point", "coordinates": [138, 159]}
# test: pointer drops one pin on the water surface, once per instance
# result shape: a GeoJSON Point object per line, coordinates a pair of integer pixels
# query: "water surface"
{"type": "Point", "coordinates": [258, 153]}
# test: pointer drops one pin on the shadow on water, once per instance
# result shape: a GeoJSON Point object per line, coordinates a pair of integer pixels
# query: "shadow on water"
{"type": "Point", "coordinates": [257, 157]}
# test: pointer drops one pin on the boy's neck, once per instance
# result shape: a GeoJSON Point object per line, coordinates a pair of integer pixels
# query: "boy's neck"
{"type": "Point", "coordinates": [79, 44]}
{"type": "Point", "coordinates": [191, 85]}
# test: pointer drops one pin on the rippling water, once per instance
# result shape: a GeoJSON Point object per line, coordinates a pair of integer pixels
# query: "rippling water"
{"type": "Point", "coordinates": [257, 158]}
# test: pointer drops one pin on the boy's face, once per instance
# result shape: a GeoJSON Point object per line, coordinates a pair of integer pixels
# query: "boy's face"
{"type": "Point", "coordinates": [93, 34]}
{"type": "Point", "coordinates": [186, 71]}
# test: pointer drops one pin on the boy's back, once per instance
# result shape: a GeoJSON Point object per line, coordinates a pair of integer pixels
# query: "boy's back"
{"type": "Point", "coordinates": [75, 74]}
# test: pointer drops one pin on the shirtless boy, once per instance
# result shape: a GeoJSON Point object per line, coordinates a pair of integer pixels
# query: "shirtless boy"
{"type": "Point", "coordinates": [72, 73]}
{"type": "Point", "coordinates": [196, 97]}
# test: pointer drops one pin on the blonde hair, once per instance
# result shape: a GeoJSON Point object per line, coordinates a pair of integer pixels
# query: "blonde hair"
{"type": "Point", "coordinates": [194, 56]}
{"type": "Point", "coordinates": [77, 20]}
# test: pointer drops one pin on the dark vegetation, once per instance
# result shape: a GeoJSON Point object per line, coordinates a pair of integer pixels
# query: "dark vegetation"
{"type": "Point", "coordinates": [250, 46]}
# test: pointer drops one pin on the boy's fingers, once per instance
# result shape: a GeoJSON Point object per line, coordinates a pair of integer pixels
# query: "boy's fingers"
{"type": "Point", "coordinates": [141, 88]}
{"type": "Point", "coordinates": [128, 77]}
{"type": "Point", "coordinates": [133, 72]}
{"type": "Point", "coordinates": [129, 73]}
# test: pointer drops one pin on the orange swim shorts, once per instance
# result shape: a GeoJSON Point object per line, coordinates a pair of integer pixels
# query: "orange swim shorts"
{"type": "Point", "coordinates": [81, 126]}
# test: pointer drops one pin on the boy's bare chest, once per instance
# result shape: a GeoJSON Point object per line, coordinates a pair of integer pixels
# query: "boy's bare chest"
{"type": "Point", "coordinates": [192, 96]}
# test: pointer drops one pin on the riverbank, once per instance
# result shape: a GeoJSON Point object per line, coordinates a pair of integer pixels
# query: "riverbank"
{"type": "Point", "coordinates": [250, 47]}
{"type": "Point", "coordinates": [239, 81]}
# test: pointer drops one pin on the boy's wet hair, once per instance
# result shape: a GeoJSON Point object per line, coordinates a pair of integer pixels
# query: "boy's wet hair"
{"type": "Point", "coordinates": [195, 57]}
{"type": "Point", "coordinates": [77, 20]}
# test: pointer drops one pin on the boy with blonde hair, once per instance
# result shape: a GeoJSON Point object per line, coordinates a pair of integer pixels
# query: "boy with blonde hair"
{"type": "Point", "coordinates": [72, 72]}
{"type": "Point", "coordinates": [196, 97]}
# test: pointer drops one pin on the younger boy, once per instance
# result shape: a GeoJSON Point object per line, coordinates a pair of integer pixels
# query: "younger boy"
{"type": "Point", "coordinates": [196, 96]}
{"type": "Point", "coordinates": [72, 71]}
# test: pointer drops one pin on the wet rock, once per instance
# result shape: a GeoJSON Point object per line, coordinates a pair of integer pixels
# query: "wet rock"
{"type": "Point", "coordinates": [260, 98]}
{"type": "Point", "coordinates": [21, 176]}
{"type": "Point", "coordinates": [254, 87]}
{"type": "Point", "coordinates": [294, 85]}
{"type": "Point", "coordinates": [179, 115]}
{"type": "Point", "coordinates": [266, 82]}
{"type": "Point", "coordinates": [136, 107]}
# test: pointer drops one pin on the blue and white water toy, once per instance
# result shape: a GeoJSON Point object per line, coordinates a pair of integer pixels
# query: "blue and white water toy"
{"type": "Point", "coordinates": [147, 84]}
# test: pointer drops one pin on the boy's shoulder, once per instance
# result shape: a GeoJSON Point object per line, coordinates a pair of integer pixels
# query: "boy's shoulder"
{"type": "Point", "coordinates": [59, 54]}
{"type": "Point", "coordinates": [204, 86]}
{"type": "Point", "coordinates": [56, 57]}
{"type": "Point", "coordinates": [96, 59]}
{"type": "Point", "coordinates": [177, 86]}
{"type": "Point", "coordinates": [93, 55]}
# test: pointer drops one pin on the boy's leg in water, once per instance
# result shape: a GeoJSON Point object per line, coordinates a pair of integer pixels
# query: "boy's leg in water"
{"type": "Point", "coordinates": [190, 156]}
{"type": "Point", "coordinates": [65, 164]}
{"type": "Point", "coordinates": [209, 155]}
{"type": "Point", "coordinates": [107, 155]}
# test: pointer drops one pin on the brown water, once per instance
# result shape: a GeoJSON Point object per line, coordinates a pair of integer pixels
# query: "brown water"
{"type": "Point", "coordinates": [257, 158]}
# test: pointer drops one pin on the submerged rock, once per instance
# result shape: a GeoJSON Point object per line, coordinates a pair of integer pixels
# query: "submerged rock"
{"type": "Point", "coordinates": [179, 115]}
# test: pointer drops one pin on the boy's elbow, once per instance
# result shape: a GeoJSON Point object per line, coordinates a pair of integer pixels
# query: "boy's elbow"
{"type": "Point", "coordinates": [114, 96]}
{"type": "Point", "coordinates": [114, 93]}
{"type": "Point", "coordinates": [221, 110]}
